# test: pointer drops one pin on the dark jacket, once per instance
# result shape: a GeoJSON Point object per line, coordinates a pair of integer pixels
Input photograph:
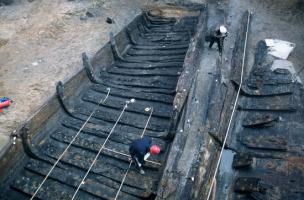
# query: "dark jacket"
{"type": "Point", "coordinates": [215, 33]}
{"type": "Point", "coordinates": [140, 147]}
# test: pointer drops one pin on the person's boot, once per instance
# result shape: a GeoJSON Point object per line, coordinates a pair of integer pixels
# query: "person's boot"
{"type": "Point", "coordinates": [140, 170]}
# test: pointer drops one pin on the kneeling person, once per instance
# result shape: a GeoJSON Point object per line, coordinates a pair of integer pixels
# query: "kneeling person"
{"type": "Point", "coordinates": [140, 150]}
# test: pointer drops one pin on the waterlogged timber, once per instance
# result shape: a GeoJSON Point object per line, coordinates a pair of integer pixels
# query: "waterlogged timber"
{"type": "Point", "coordinates": [160, 60]}
{"type": "Point", "coordinates": [144, 62]}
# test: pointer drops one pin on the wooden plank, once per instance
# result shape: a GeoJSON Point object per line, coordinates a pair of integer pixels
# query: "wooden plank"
{"type": "Point", "coordinates": [187, 123]}
{"type": "Point", "coordinates": [191, 63]}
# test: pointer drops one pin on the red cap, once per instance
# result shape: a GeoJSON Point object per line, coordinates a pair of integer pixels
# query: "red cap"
{"type": "Point", "coordinates": [154, 149]}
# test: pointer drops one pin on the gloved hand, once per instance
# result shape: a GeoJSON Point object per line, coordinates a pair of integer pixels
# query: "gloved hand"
{"type": "Point", "coordinates": [137, 162]}
{"type": "Point", "coordinates": [146, 156]}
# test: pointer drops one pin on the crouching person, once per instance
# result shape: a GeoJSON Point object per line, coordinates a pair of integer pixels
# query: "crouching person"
{"type": "Point", "coordinates": [218, 35]}
{"type": "Point", "coordinates": [140, 150]}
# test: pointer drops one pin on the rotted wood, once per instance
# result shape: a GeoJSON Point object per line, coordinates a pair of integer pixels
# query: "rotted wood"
{"type": "Point", "coordinates": [164, 98]}
{"type": "Point", "coordinates": [260, 120]}
{"type": "Point", "coordinates": [161, 52]}
{"type": "Point", "coordinates": [275, 103]}
{"type": "Point", "coordinates": [268, 90]}
{"type": "Point", "coordinates": [268, 77]}
{"type": "Point", "coordinates": [99, 186]}
{"type": "Point", "coordinates": [158, 82]}
{"type": "Point", "coordinates": [236, 62]}
{"type": "Point", "coordinates": [104, 166]}
{"type": "Point", "coordinates": [94, 146]}
{"type": "Point", "coordinates": [128, 118]}
{"type": "Point", "coordinates": [191, 63]}
{"type": "Point", "coordinates": [106, 127]}
{"type": "Point", "coordinates": [29, 182]}
{"type": "Point", "coordinates": [182, 163]}
{"type": "Point", "coordinates": [151, 72]}
{"type": "Point", "coordinates": [216, 104]}
{"type": "Point", "coordinates": [147, 70]}
{"type": "Point", "coordinates": [176, 25]}
{"type": "Point", "coordinates": [218, 130]}
{"type": "Point", "coordinates": [88, 68]}
{"type": "Point", "coordinates": [262, 80]}
{"type": "Point", "coordinates": [91, 75]}
{"type": "Point", "coordinates": [30, 148]}
{"type": "Point", "coordinates": [272, 142]}
{"type": "Point", "coordinates": [160, 47]}
{"type": "Point", "coordinates": [149, 66]}
{"type": "Point", "coordinates": [117, 140]}
{"type": "Point", "coordinates": [241, 160]}
{"type": "Point", "coordinates": [144, 29]}
{"type": "Point", "coordinates": [93, 78]}
{"type": "Point", "coordinates": [270, 132]}
{"type": "Point", "coordinates": [248, 184]}
{"type": "Point", "coordinates": [164, 110]}
{"type": "Point", "coordinates": [116, 53]}
{"type": "Point", "coordinates": [61, 98]}
{"type": "Point", "coordinates": [273, 137]}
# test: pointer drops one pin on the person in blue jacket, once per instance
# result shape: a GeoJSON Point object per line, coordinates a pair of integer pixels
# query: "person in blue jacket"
{"type": "Point", "coordinates": [140, 150]}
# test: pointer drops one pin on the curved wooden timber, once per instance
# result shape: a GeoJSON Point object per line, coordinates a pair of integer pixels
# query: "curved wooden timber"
{"type": "Point", "coordinates": [144, 62]}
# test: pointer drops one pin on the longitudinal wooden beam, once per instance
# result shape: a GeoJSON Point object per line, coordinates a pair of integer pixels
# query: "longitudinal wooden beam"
{"type": "Point", "coordinates": [175, 176]}
{"type": "Point", "coordinates": [191, 63]}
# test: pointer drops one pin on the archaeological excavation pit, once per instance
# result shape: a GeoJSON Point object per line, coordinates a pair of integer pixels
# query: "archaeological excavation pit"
{"type": "Point", "coordinates": [230, 126]}
{"type": "Point", "coordinates": [132, 77]}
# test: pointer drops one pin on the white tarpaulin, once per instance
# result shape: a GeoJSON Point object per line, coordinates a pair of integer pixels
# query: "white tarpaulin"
{"type": "Point", "coordinates": [285, 64]}
{"type": "Point", "coordinates": [279, 48]}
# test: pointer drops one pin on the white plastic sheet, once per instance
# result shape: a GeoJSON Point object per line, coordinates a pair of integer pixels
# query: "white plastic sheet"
{"type": "Point", "coordinates": [285, 64]}
{"type": "Point", "coordinates": [279, 48]}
